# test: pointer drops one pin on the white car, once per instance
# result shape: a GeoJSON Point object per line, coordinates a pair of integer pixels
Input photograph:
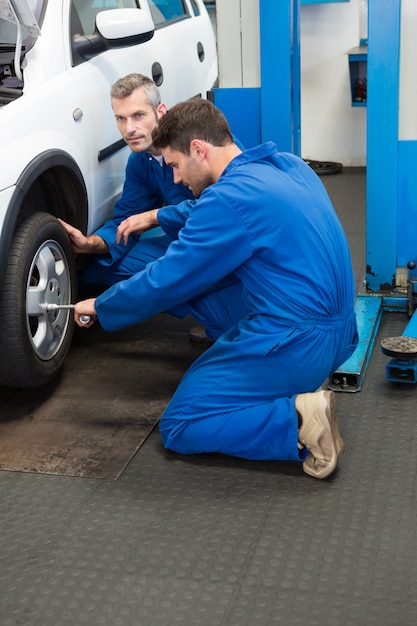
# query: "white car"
{"type": "Point", "coordinates": [61, 153]}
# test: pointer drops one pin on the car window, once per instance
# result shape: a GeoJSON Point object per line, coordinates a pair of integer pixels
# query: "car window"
{"type": "Point", "coordinates": [84, 15]}
{"type": "Point", "coordinates": [167, 10]}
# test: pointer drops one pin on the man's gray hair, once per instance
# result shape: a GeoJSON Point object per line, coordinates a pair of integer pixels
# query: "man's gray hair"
{"type": "Point", "coordinates": [125, 86]}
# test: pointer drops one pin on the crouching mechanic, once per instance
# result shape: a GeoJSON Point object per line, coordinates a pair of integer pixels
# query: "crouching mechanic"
{"type": "Point", "coordinates": [266, 216]}
{"type": "Point", "coordinates": [137, 107]}
{"type": "Point", "coordinates": [117, 249]}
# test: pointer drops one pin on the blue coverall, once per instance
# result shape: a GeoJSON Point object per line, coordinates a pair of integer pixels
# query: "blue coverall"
{"type": "Point", "coordinates": [268, 219]}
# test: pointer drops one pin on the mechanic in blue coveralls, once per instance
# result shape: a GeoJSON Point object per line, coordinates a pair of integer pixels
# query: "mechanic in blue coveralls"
{"type": "Point", "coordinates": [149, 183]}
{"type": "Point", "coordinates": [118, 251]}
{"type": "Point", "coordinates": [266, 216]}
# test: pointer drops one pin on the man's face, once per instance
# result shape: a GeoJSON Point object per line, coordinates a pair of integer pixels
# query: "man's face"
{"type": "Point", "coordinates": [136, 119]}
{"type": "Point", "coordinates": [191, 170]}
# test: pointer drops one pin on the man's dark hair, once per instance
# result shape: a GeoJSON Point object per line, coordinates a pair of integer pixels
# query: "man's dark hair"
{"type": "Point", "coordinates": [193, 119]}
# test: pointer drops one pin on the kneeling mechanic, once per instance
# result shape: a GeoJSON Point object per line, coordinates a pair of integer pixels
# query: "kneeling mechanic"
{"type": "Point", "coordinates": [265, 216]}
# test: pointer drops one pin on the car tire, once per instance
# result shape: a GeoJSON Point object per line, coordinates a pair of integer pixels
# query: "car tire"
{"type": "Point", "coordinates": [41, 270]}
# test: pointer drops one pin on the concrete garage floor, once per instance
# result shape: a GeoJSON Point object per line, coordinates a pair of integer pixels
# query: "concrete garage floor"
{"type": "Point", "coordinates": [212, 540]}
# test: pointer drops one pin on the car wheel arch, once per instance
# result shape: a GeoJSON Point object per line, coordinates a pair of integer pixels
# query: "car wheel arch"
{"type": "Point", "coordinates": [50, 173]}
{"type": "Point", "coordinates": [52, 183]}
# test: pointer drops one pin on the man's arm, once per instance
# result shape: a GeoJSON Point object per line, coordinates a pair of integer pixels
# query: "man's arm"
{"type": "Point", "coordinates": [173, 217]}
{"type": "Point", "coordinates": [213, 243]}
{"type": "Point", "coordinates": [93, 244]}
{"type": "Point", "coordinates": [136, 224]}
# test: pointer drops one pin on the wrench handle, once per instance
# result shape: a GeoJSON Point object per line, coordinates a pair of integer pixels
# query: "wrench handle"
{"type": "Point", "coordinates": [58, 307]}
{"type": "Point", "coordinates": [84, 319]}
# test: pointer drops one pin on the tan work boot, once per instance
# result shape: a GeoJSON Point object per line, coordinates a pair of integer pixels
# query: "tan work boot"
{"type": "Point", "coordinates": [319, 432]}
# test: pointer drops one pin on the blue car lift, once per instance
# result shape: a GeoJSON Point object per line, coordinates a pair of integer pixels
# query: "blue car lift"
{"type": "Point", "coordinates": [402, 368]}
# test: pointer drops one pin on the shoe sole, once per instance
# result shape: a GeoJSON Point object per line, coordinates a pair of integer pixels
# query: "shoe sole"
{"type": "Point", "coordinates": [196, 338]}
{"type": "Point", "coordinates": [330, 413]}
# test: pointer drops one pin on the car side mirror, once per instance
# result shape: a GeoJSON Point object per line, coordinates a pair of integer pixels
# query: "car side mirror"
{"type": "Point", "coordinates": [115, 28]}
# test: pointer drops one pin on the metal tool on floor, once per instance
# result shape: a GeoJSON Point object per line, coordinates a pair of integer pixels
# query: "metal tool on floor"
{"type": "Point", "coordinates": [84, 319]}
{"type": "Point", "coordinates": [403, 366]}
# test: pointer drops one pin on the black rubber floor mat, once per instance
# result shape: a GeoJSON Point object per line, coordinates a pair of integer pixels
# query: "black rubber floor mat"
{"type": "Point", "coordinates": [93, 430]}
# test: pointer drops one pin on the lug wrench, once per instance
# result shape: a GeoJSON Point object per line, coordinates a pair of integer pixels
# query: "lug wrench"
{"type": "Point", "coordinates": [84, 319]}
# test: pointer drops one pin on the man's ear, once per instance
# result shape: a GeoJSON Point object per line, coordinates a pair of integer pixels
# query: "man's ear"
{"type": "Point", "coordinates": [198, 148]}
{"type": "Point", "coordinates": [161, 109]}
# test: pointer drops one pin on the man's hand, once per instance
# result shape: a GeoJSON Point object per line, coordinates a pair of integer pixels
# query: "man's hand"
{"type": "Point", "coordinates": [136, 224]}
{"type": "Point", "coordinates": [85, 307]}
{"type": "Point", "coordinates": [82, 244]}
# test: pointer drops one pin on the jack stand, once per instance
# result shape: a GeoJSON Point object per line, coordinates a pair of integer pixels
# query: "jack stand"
{"type": "Point", "coordinates": [403, 366]}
